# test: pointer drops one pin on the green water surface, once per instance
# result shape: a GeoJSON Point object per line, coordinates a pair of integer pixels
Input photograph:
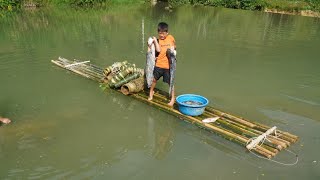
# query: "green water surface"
{"type": "Point", "coordinates": [256, 65]}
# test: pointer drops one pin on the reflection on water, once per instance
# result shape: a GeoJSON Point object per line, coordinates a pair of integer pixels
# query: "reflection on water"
{"type": "Point", "coordinates": [162, 137]}
{"type": "Point", "coordinates": [258, 65]}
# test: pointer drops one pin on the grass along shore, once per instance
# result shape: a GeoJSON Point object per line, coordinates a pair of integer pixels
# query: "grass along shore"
{"type": "Point", "coordinates": [295, 7]}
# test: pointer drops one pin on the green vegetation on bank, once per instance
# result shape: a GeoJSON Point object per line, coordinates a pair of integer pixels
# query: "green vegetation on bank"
{"type": "Point", "coordinates": [279, 5]}
{"type": "Point", "coordinates": [284, 5]}
{"type": "Point", "coordinates": [11, 5]}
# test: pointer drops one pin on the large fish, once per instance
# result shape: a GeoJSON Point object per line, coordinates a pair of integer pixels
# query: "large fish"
{"type": "Point", "coordinates": [171, 54]}
{"type": "Point", "coordinates": [151, 60]}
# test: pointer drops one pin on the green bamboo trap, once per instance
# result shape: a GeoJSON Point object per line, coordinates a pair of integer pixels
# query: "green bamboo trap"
{"type": "Point", "coordinates": [258, 138]}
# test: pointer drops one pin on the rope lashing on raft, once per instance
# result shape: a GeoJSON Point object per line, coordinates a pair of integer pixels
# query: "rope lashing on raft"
{"type": "Point", "coordinates": [254, 142]}
{"type": "Point", "coordinates": [258, 141]}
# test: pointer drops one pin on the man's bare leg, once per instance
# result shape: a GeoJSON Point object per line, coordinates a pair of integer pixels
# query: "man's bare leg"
{"type": "Point", "coordinates": [151, 92]}
{"type": "Point", "coordinates": [172, 98]}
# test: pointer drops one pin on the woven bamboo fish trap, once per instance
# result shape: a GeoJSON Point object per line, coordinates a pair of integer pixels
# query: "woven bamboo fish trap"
{"type": "Point", "coordinates": [249, 134]}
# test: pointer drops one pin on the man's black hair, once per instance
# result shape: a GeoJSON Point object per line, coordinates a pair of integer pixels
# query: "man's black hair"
{"type": "Point", "coordinates": [163, 27]}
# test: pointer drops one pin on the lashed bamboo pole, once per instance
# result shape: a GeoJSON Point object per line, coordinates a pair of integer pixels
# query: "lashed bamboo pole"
{"type": "Point", "coordinates": [284, 143]}
{"type": "Point", "coordinates": [228, 124]}
{"type": "Point", "coordinates": [87, 71]}
{"type": "Point", "coordinates": [91, 69]}
{"type": "Point", "coordinates": [286, 136]}
{"type": "Point", "coordinates": [227, 134]}
{"type": "Point", "coordinates": [81, 69]}
{"type": "Point", "coordinates": [279, 144]}
{"type": "Point", "coordinates": [273, 139]}
{"type": "Point", "coordinates": [275, 145]}
{"type": "Point", "coordinates": [223, 124]}
{"type": "Point", "coordinates": [75, 71]}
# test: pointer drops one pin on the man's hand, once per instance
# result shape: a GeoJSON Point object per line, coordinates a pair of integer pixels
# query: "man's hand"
{"type": "Point", "coordinates": [5, 120]}
{"type": "Point", "coordinates": [154, 39]}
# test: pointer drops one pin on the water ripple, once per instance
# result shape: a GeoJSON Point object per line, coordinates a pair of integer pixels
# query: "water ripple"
{"type": "Point", "coordinates": [302, 100]}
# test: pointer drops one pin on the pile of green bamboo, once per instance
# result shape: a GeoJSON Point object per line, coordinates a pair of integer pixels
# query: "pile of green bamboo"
{"type": "Point", "coordinates": [231, 127]}
{"type": "Point", "coordinates": [120, 73]}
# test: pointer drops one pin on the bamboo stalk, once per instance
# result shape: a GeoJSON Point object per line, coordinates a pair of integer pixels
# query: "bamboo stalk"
{"type": "Point", "coordinates": [274, 147]}
{"type": "Point", "coordinates": [287, 136]}
{"type": "Point", "coordinates": [88, 72]}
{"type": "Point", "coordinates": [231, 117]}
{"type": "Point", "coordinates": [89, 68]}
{"type": "Point", "coordinates": [84, 69]}
{"type": "Point", "coordinates": [99, 76]}
{"type": "Point", "coordinates": [281, 143]}
{"type": "Point", "coordinates": [95, 68]}
{"type": "Point", "coordinates": [278, 144]}
{"type": "Point", "coordinates": [75, 71]}
{"type": "Point", "coordinates": [219, 130]}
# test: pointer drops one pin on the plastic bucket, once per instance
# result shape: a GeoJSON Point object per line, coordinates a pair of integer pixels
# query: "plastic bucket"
{"type": "Point", "coordinates": [192, 104]}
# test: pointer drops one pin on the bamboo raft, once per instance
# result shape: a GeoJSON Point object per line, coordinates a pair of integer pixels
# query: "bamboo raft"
{"type": "Point", "coordinates": [247, 133]}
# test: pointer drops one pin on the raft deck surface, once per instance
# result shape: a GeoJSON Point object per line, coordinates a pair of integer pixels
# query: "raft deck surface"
{"type": "Point", "coordinates": [231, 127]}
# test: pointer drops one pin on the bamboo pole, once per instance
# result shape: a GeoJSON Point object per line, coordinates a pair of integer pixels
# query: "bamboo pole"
{"type": "Point", "coordinates": [83, 71]}
{"type": "Point", "coordinates": [234, 118]}
{"type": "Point", "coordinates": [90, 68]}
{"type": "Point", "coordinates": [229, 135]}
{"type": "Point", "coordinates": [75, 71]}
{"type": "Point", "coordinates": [80, 69]}
{"type": "Point", "coordinates": [88, 72]}
{"type": "Point", "coordinates": [99, 76]}
{"type": "Point", "coordinates": [274, 146]}
{"type": "Point", "coordinates": [279, 144]}
{"type": "Point", "coordinates": [287, 136]}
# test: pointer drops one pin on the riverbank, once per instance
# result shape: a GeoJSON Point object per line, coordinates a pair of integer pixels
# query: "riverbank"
{"type": "Point", "coordinates": [308, 13]}
{"type": "Point", "coordinates": [292, 7]}
{"type": "Point", "coordinates": [309, 8]}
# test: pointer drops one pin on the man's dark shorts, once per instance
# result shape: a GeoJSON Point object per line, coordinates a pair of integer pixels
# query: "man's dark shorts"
{"type": "Point", "coordinates": [158, 72]}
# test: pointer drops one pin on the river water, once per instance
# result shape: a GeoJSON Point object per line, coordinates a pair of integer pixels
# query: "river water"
{"type": "Point", "coordinates": [261, 66]}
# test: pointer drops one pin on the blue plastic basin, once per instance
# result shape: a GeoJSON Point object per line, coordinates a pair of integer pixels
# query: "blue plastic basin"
{"type": "Point", "coordinates": [192, 104]}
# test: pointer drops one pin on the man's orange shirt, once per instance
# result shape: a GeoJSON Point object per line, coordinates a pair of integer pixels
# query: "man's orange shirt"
{"type": "Point", "coordinates": [162, 59]}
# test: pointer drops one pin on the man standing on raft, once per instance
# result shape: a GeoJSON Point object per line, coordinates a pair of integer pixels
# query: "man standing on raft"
{"type": "Point", "coordinates": [165, 62]}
